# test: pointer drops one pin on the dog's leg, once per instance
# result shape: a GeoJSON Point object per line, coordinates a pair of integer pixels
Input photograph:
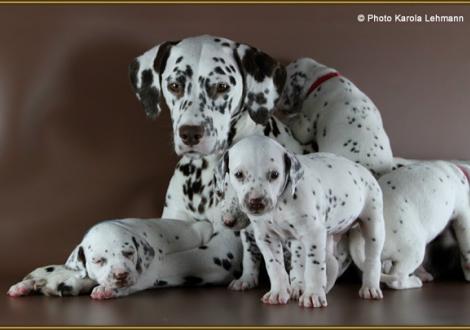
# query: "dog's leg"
{"type": "Point", "coordinates": [296, 274]}
{"type": "Point", "coordinates": [461, 227]}
{"type": "Point", "coordinates": [315, 245]}
{"type": "Point", "coordinates": [52, 280]}
{"type": "Point", "coordinates": [373, 229]}
{"type": "Point", "coordinates": [423, 274]}
{"type": "Point", "coordinates": [271, 248]}
{"type": "Point", "coordinates": [251, 263]}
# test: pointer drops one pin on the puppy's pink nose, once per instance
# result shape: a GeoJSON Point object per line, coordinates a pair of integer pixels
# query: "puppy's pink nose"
{"type": "Point", "coordinates": [120, 275]}
{"type": "Point", "coordinates": [229, 221]}
{"type": "Point", "coordinates": [256, 204]}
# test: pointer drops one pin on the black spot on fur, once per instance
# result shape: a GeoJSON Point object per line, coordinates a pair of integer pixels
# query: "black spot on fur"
{"type": "Point", "coordinates": [50, 269]}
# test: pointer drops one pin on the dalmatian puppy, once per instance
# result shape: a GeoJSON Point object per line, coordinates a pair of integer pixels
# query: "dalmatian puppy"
{"type": "Point", "coordinates": [234, 218]}
{"type": "Point", "coordinates": [326, 108]}
{"type": "Point", "coordinates": [217, 91]}
{"type": "Point", "coordinates": [420, 200]}
{"type": "Point", "coordinates": [121, 257]}
{"type": "Point", "coordinates": [306, 198]}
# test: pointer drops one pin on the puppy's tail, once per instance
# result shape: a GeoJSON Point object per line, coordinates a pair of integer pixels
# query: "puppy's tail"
{"type": "Point", "coordinates": [357, 250]}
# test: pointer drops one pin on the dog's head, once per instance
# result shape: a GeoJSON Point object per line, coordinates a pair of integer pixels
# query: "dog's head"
{"type": "Point", "coordinates": [112, 256]}
{"type": "Point", "coordinates": [299, 76]}
{"type": "Point", "coordinates": [206, 82]}
{"type": "Point", "coordinates": [260, 171]}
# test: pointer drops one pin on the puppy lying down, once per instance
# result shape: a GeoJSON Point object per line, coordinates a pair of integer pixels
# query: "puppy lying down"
{"type": "Point", "coordinates": [119, 257]}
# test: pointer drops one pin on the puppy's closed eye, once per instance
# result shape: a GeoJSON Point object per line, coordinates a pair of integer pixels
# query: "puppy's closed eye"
{"type": "Point", "coordinates": [128, 254]}
{"type": "Point", "coordinates": [99, 261]}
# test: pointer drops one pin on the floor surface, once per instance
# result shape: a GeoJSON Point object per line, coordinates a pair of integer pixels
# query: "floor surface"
{"type": "Point", "coordinates": [445, 303]}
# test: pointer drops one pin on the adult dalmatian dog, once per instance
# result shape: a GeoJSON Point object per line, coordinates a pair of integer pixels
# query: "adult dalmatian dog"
{"type": "Point", "coordinates": [121, 257]}
{"type": "Point", "coordinates": [217, 91]}
{"type": "Point", "coordinates": [306, 198]}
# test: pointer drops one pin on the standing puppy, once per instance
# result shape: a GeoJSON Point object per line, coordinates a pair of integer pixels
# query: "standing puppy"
{"type": "Point", "coordinates": [419, 202]}
{"type": "Point", "coordinates": [325, 108]}
{"type": "Point", "coordinates": [305, 198]}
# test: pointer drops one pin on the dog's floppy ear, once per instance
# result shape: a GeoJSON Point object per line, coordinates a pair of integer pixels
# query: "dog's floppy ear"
{"type": "Point", "coordinates": [293, 171]}
{"type": "Point", "coordinates": [145, 76]}
{"type": "Point", "coordinates": [264, 80]}
{"type": "Point", "coordinates": [145, 253]}
{"type": "Point", "coordinates": [223, 171]}
{"type": "Point", "coordinates": [77, 261]}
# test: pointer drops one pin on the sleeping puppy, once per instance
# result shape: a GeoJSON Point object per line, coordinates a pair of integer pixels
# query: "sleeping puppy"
{"type": "Point", "coordinates": [420, 200]}
{"type": "Point", "coordinates": [121, 257]}
{"type": "Point", "coordinates": [308, 199]}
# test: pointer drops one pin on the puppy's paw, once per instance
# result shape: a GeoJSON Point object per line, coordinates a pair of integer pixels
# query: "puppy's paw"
{"type": "Point", "coordinates": [311, 299]}
{"type": "Point", "coordinates": [101, 293]}
{"type": "Point", "coordinates": [296, 290]}
{"type": "Point", "coordinates": [276, 297]}
{"type": "Point", "coordinates": [370, 292]}
{"type": "Point", "coordinates": [244, 283]}
{"type": "Point", "coordinates": [424, 275]}
{"type": "Point", "coordinates": [23, 288]}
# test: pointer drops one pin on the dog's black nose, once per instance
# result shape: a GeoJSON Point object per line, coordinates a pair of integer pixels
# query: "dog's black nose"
{"type": "Point", "coordinates": [256, 204]}
{"type": "Point", "coordinates": [120, 276]}
{"type": "Point", "coordinates": [191, 134]}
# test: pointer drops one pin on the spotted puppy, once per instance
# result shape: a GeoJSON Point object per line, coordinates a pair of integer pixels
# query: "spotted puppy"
{"type": "Point", "coordinates": [121, 257]}
{"type": "Point", "coordinates": [305, 198]}
{"type": "Point", "coordinates": [420, 200]}
{"type": "Point", "coordinates": [325, 108]}
{"type": "Point", "coordinates": [234, 218]}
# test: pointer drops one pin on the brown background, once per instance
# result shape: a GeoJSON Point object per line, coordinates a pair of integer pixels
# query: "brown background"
{"type": "Point", "coordinates": [76, 148]}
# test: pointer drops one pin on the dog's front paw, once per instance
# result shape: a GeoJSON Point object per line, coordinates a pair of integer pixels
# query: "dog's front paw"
{"type": "Point", "coordinates": [23, 288]}
{"type": "Point", "coordinates": [276, 297]}
{"type": "Point", "coordinates": [296, 289]}
{"type": "Point", "coordinates": [101, 293]}
{"type": "Point", "coordinates": [370, 292]}
{"type": "Point", "coordinates": [244, 283]}
{"type": "Point", "coordinates": [311, 299]}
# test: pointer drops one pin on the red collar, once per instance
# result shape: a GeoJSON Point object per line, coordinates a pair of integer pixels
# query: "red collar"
{"type": "Point", "coordinates": [467, 175]}
{"type": "Point", "coordinates": [321, 80]}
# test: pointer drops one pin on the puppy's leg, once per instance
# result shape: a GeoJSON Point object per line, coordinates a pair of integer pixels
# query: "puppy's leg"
{"type": "Point", "coordinates": [296, 274]}
{"type": "Point", "coordinates": [373, 229]}
{"type": "Point", "coordinates": [314, 244]}
{"type": "Point", "coordinates": [332, 264]}
{"type": "Point", "coordinates": [423, 274]}
{"type": "Point", "coordinates": [52, 280]}
{"type": "Point", "coordinates": [271, 249]}
{"type": "Point", "coordinates": [251, 263]}
{"type": "Point", "coordinates": [461, 227]}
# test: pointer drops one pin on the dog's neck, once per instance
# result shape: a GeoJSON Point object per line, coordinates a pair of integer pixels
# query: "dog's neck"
{"type": "Point", "coordinates": [314, 71]}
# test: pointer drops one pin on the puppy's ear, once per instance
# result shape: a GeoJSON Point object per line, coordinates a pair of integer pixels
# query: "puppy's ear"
{"type": "Point", "coordinates": [145, 76]}
{"type": "Point", "coordinates": [264, 80]}
{"type": "Point", "coordinates": [293, 171]}
{"type": "Point", "coordinates": [77, 261]}
{"type": "Point", "coordinates": [145, 253]}
{"type": "Point", "coordinates": [223, 171]}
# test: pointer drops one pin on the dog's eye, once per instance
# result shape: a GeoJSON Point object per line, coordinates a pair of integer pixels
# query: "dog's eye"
{"type": "Point", "coordinates": [100, 261]}
{"type": "Point", "coordinates": [175, 88]}
{"type": "Point", "coordinates": [273, 175]}
{"type": "Point", "coordinates": [239, 175]}
{"type": "Point", "coordinates": [222, 88]}
{"type": "Point", "coordinates": [128, 254]}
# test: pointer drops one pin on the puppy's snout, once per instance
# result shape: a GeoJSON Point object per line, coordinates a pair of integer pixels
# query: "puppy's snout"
{"type": "Point", "coordinates": [120, 276]}
{"type": "Point", "coordinates": [229, 221]}
{"type": "Point", "coordinates": [191, 134]}
{"type": "Point", "coordinates": [257, 204]}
